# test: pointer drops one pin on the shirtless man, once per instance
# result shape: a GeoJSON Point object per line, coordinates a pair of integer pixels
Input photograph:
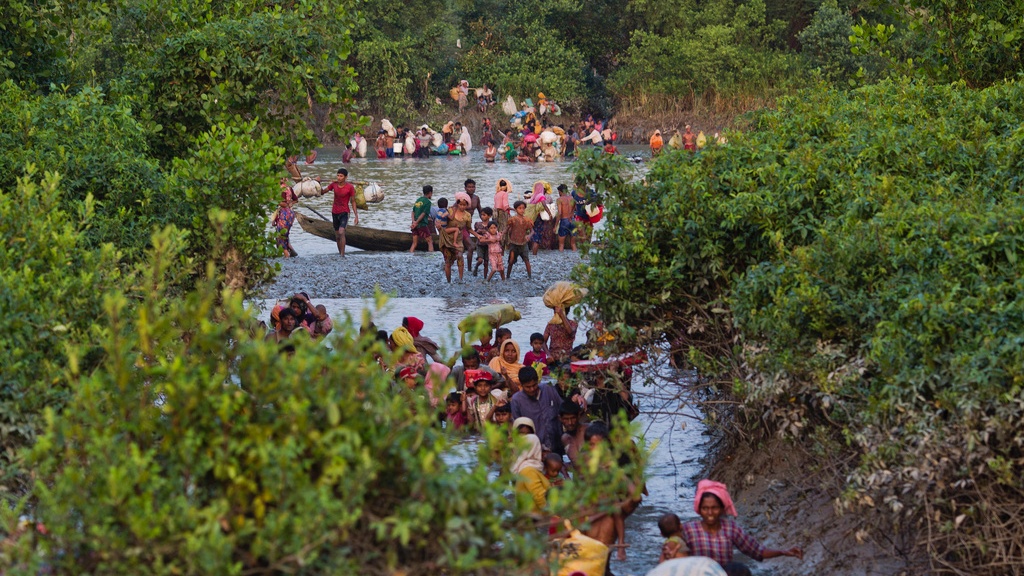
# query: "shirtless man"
{"type": "Point", "coordinates": [566, 207]}
{"type": "Point", "coordinates": [689, 140]}
{"type": "Point", "coordinates": [572, 432]}
{"type": "Point", "coordinates": [611, 528]}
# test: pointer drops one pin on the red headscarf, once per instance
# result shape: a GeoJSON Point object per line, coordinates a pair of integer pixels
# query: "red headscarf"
{"type": "Point", "coordinates": [718, 489]}
{"type": "Point", "coordinates": [413, 325]}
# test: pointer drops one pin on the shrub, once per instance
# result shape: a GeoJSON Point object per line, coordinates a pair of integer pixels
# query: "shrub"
{"type": "Point", "coordinates": [49, 279]}
{"type": "Point", "coordinates": [195, 447]}
{"type": "Point", "coordinates": [852, 265]}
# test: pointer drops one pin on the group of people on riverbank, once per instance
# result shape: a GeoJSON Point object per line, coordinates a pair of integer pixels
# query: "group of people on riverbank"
{"type": "Point", "coordinates": [517, 227]}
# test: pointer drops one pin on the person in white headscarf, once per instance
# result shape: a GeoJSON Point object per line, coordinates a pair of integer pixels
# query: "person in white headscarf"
{"type": "Point", "coordinates": [529, 471]}
{"type": "Point", "coordinates": [465, 140]}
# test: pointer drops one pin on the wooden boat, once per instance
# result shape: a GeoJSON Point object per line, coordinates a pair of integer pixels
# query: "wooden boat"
{"type": "Point", "coordinates": [369, 239]}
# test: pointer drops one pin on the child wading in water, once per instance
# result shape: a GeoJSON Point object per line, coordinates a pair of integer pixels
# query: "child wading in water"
{"type": "Point", "coordinates": [481, 249]}
{"type": "Point", "coordinates": [495, 255]}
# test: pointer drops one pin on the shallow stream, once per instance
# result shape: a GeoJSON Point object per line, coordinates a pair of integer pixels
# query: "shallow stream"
{"type": "Point", "coordinates": [674, 431]}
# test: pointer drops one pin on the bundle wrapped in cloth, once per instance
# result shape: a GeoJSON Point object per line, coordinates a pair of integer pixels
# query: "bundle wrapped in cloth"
{"type": "Point", "coordinates": [563, 295]}
{"type": "Point", "coordinates": [495, 315]}
{"type": "Point", "coordinates": [578, 554]}
{"type": "Point", "coordinates": [307, 188]}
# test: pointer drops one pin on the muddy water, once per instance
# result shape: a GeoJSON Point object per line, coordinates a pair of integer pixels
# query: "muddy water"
{"type": "Point", "coordinates": [402, 180]}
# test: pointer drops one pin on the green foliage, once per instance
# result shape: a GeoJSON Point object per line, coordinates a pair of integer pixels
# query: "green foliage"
{"type": "Point", "coordinates": [227, 187]}
{"type": "Point", "coordinates": [196, 447]}
{"type": "Point", "coordinates": [49, 279]}
{"type": "Point", "coordinates": [979, 43]}
{"type": "Point", "coordinates": [826, 42]}
{"type": "Point", "coordinates": [97, 148]}
{"type": "Point", "coordinates": [856, 261]}
{"type": "Point", "coordinates": [719, 48]}
{"type": "Point", "coordinates": [30, 50]}
{"type": "Point", "coordinates": [268, 66]}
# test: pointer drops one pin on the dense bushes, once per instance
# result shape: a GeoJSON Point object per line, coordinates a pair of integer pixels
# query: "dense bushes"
{"type": "Point", "coordinates": [195, 447]}
{"type": "Point", "coordinates": [855, 262]}
{"type": "Point", "coordinates": [49, 279]}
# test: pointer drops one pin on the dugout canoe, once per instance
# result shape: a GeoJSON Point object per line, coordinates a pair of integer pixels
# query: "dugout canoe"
{"type": "Point", "coordinates": [370, 239]}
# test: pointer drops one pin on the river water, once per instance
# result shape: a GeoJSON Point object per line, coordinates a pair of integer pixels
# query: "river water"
{"type": "Point", "coordinates": [403, 179]}
{"type": "Point", "coordinates": [673, 431]}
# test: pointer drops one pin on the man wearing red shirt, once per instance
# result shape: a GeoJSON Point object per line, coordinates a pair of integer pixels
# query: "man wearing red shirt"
{"type": "Point", "coordinates": [344, 194]}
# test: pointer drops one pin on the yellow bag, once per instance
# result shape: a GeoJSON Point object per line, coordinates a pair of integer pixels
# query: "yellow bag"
{"type": "Point", "coordinates": [360, 198]}
{"type": "Point", "coordinates": [579, 553]}
{"type": "Point", "coordinates": [562, 295]}
{"type": "Point", "coordinates": [702, 140]}
{"type": "Point", "coordinates": [454, 93]}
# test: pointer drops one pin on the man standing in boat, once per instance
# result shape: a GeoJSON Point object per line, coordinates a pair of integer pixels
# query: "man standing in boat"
{"type": "Point", "coordinates": [344, 202]}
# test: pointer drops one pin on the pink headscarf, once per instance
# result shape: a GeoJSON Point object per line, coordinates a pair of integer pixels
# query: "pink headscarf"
{"type": "Point", "coordinates": [463, 196]}
{"type": "Point", "coordinates": [538, 194]}
{"type": "Point", "coordinates": [719, 490]}
{"type": "Point", "coordinates": [436, 376]}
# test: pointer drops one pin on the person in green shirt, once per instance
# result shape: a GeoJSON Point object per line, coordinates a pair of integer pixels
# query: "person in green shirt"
{"type": "Point", "coordinates": [421, 220]}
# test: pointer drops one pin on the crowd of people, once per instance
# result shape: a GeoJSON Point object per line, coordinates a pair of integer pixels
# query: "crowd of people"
{"type": "Point", "coordinates": [559, 416]}
{"type": "Point", "coordinates": [515, 227]}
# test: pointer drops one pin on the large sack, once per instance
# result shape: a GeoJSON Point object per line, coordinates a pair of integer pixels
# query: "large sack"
{"type": "Point", "coordinates": [509, 106]}
{"type": "Point", "coordinates": [548, 137]}
{"type": "Point", "coordinates": [373, 193]}
{"type": "Point", "coordinates": [702, 140]}
{"type": "Point", "coordinates": [386, 126]}
{"type": "Point", "coordinates": [562, 295]}
{"type": "Point", "coordinates": [578, 554]}
{"type": "Point", "coordinates": [676, 142]}
{"type": "Point", "coordinates": [454, 93]}
{"type": "Point", "coordinates": [308, 188]}
{"type": "Point", "coordinates": [496, 315]}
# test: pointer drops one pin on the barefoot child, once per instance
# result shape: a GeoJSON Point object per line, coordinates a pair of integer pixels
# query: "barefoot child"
{"type": "Point", "coordinates": [496, 256]}
{"type": "Point", "coordinates": [519, 229]}
{"type": "Point", "coordinates": [566, 208]}
{"type": "Point", "coordinates": [481, 249]}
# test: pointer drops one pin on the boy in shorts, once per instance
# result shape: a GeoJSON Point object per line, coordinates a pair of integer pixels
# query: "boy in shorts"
{"type": "Point", "coordinates": [344, 202]}
{"type": "Point", "coordinates": [518, 234]}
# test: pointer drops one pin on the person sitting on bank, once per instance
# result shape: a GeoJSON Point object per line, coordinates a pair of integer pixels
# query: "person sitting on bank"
{"type": "Point", "coordinates": [715, 536]}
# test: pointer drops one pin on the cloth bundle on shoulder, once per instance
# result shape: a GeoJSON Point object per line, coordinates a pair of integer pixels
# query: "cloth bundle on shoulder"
{"type": "Point", "coordinates": [495, 315]}
{"type": "Point", "coordinates": [308, 188]}
{"type": "Point", "coordinates": [562, 295]}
